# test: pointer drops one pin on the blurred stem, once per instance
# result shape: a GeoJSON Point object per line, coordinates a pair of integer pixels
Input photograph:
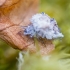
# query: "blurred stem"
{"type": "Point", "coordinates": [36, 44]}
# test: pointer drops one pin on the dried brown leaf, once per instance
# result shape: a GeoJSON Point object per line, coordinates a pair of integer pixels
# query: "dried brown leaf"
{"type": "Point", "coordinates": [13, 15]}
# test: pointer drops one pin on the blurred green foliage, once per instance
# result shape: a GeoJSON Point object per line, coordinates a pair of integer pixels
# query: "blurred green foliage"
{"type": "Point", "coordinates": [58, 9]}
{"type": "Point", "coordinates": [7, 57]}
{"type": "Point", "coordinates": [51, 62]}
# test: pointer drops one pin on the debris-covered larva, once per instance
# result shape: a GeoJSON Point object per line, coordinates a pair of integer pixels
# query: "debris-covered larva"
{"type": "Point", "coordinates": [43, 26]}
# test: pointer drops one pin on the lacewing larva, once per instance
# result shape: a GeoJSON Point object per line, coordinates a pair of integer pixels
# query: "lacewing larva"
{"type": "Point", "coordinates": [43, 26]}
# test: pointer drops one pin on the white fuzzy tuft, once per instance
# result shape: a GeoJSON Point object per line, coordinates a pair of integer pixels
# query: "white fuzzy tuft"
{"type": "Point", "coordinates": [43, 26]}
{"type": "Point", "coordinates": [20, 61]}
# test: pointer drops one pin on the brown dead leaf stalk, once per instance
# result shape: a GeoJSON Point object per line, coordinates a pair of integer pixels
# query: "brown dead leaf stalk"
{"type": "Point", "coordinates": [13, 15]}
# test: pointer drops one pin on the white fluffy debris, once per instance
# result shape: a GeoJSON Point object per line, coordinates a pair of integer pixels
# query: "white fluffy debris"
{"type": "Point", "coordinates": [20, 60]}
{"type": "Point", "coordinates": [43, 26]}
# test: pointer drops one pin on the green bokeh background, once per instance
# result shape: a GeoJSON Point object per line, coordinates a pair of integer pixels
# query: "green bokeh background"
{"type": "Point", "coordinates": [58, 9]}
